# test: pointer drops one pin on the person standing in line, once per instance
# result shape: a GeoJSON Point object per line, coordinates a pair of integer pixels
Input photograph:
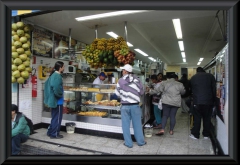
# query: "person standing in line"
{"type": "Point", "coordinates": [130, 89]}
{"type": "Point", "coordinates": [53, 98]}
{"type": "Point", "coordinates": [203, 86]}
{"type": "Point", "coordinates": [20, 130]}
{"type": "Point", "coordinates": [159, 77]}
{"type": "Point", "coordinates": [176, 77]}
{"type": "Point", "coordinates": [155, 99]}
{"type": "Point", "coordinates": [185, 97]}
{"type": "Point", "coordinates": [171, 91]}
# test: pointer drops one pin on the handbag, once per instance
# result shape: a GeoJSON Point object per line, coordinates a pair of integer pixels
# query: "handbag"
{"type": "Point", "coordinates": [160, 104]}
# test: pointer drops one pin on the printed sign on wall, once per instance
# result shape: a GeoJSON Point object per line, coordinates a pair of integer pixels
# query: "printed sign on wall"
{"type": "Point", "coordinates": [42, 42]}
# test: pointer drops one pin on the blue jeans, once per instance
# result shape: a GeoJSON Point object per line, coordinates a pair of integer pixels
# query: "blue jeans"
{"type": "Point", "coordinates": [157, 114]}
{"type": "Point", "coordinates": [134, 113]}
{"type": "Point", "coordinates": [16, 143]}
{"type": "Point", "coordinates": [54, 128]}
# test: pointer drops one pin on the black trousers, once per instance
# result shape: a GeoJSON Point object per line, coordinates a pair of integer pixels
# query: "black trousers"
{"type": "Point", "coordinates": [202, 112]}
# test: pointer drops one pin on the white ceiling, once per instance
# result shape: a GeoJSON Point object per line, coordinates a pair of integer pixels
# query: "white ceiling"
{"type": "Point", "coordinates": [151, 31]}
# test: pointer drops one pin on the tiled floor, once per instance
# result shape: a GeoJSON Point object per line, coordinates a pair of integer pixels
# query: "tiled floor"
{"type": "Point", "coordinates": [80, 144]}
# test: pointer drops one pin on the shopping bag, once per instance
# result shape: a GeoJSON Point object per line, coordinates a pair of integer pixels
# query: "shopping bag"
{"type": "Point", "coordinates": [160, 104]}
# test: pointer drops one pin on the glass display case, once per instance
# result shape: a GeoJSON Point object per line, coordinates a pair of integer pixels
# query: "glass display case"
{"type": "Point", "coordinates": [94, 107]}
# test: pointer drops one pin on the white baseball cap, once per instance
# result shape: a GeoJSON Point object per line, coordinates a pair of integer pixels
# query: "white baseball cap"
{"type": "Point", "coordinates": [127, 67]}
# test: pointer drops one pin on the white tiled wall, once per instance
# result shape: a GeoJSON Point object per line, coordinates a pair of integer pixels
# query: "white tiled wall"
{"type": "Point", "coordinates": [32, 107]}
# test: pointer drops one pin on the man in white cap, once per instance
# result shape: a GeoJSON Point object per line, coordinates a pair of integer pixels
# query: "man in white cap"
{"type": "Point", "coordinates": [129, 89]}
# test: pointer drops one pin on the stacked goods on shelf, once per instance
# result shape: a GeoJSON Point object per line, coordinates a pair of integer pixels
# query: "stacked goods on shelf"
{"type": "Point", "coordinates": [93, 113]}
{"type": "Point", "coordinates": [21, 52]}
{"type": "Point", "coordinates": [108, 53]}
{"type": "Point", "coordinates": [103, 102]}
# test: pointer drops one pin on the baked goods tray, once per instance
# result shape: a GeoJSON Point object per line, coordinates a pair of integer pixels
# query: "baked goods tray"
{"type": "Point", "coordinates": [101, 106]}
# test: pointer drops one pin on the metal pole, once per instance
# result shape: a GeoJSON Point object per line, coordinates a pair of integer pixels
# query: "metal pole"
{"type": "Point", "coordinates": [125, 34]}
{"type": "Point", "coordinates": [69, 43]}
{"type": "Point", "coordinates": [96, 28]}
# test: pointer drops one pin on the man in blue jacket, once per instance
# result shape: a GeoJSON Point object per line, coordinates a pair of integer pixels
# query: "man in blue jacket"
{"type": "Point", "coordinates": [53, 98]}
{"type": "Point", "coordinates": [20, 130]}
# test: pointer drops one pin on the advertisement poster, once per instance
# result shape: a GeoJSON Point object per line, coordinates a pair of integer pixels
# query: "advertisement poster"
{"type": "Point", "coordinates": [42, 42]}
{"type": "Point", "coordinates": [61, 48]}
{"type": "Point", "coordinates": [220, 86]}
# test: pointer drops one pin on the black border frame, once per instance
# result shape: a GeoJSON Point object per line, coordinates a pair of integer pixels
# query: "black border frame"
{"type": "Point", "coordinates": [5, 83]}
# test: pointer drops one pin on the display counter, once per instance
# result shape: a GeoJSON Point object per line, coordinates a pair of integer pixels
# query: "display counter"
{"type": "Point", "coordinates": [93, 108]}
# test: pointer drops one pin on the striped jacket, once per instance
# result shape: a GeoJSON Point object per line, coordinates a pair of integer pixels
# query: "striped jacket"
{"type": "Point", "coordinates": [129, 89]}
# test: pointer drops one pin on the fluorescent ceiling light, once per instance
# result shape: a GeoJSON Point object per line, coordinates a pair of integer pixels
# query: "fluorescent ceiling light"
{"type": "Point", "coordinates": [152, 59]}
{"type": "Point", "coordinates": [198, 63]}
{"type": "Point", "coordinates": [112, 34]}
{"type": "Point", "coordinates": [110, 14]}
{"type": "Point", "coordinates": [184, 59]}
{"type": "Point", "coordinates": [180, 43]}
{"type": "Point", "coordinates": [129, 44]}
{"type": "Point", "coordinates": [200, 59]}
{"type": "Point", "coordinates": [177, 26]}
{"type": "Point", "coordinates": [183, 54]}
{"type": "Point", "coordinates": [141, 52]}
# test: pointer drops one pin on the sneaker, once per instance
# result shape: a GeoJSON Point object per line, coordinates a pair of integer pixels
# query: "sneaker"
{"type": "Point", "coordinates": [192, 136]}
{"type": "Point", "coordinates": [205, 137]}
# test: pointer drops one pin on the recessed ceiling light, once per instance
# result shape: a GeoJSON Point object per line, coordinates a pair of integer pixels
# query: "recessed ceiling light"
{"type": "Point", "coordinates": [112, 34]}
{"type": "Point", "coordinates": [200, 59]}
{"type": "Point", "coordinates": [180, 43]}
{"type": "Point", "coordinates": [198, 63]}
{"type": "Point", "coordinates": [177, 27]}
{"type": "Point", "coordinates": [129, 44]}
{"type": "Point", "coordinates": [183, 54]}
{"type": "Point", "coordinates": [110, 14]}
{"type": "Point", "coordinates": [141, 52]}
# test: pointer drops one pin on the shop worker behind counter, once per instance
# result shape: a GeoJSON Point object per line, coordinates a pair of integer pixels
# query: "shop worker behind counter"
{"type": "Point", "coordinates": [130, 89]}
{"type": "Point", "coordinates": [53, 98]}
{"type": "Point", "coordinates": [20, 130]}
{"type": "Point", "coordinates": [203, 88]}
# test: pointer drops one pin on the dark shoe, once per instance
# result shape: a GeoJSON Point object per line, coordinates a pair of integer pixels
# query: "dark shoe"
{"type": "Point", "coordinates": [57, 137]}
{"type": "Point", "coordinates": [60, 136]}
{"type": "Point", "coordinates": [159, 133]}
{"type": "Point", "coordinates": [126, 145]}
{"type": "Point", "coordinates": [143, 144]}
{"type": "Point", "coordinates": [171, 132]}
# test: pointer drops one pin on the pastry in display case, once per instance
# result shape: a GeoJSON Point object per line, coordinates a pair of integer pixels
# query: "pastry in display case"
{"type": "Point", "coordinates": [94, 101]}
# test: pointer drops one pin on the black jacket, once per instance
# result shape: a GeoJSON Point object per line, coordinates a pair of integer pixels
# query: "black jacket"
{"type": "Point", "coordinates": [186, 84]}
{"type": "Point", "coordinates": [203, 87]}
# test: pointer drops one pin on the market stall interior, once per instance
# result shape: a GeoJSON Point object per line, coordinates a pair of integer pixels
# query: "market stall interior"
{"type": "Point", "coordinates": [144, 38]}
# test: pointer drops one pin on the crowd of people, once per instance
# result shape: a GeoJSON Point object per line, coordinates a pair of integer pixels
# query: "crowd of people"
{"type": "Point", "coordinates": [195, 96]}
{"type": "Point", "coordinates": [174, 94]}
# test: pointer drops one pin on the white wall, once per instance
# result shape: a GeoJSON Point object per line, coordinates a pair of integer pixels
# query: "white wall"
{"type": "Point", "coordinates": [32, 107]}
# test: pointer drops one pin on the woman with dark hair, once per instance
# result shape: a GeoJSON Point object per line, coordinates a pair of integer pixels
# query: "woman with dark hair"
{"type": "Point", "coordinates": [53, 98]}
{"type": "Point", "coordinates": [160, 76]}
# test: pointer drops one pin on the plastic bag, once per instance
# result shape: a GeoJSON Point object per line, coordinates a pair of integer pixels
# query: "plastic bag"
{"type": "Point", "coordinates": [160, 104]}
